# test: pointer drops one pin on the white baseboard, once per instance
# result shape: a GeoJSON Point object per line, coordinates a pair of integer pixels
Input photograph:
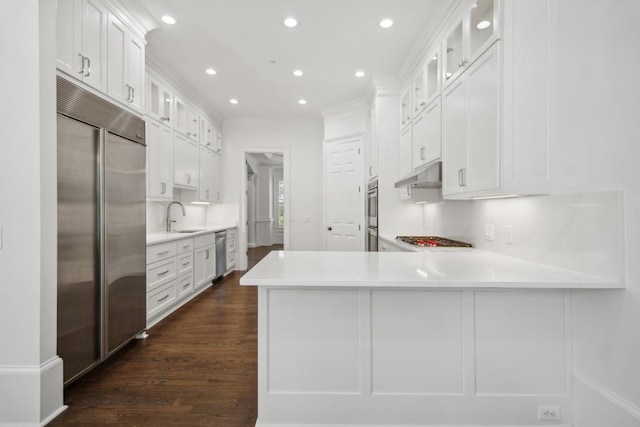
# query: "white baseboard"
{"type": "Point", "coordinates": [609, 395]}
{"type": "Point", "coordinates": [32, 395]}
{"type": "Point", "coordinates": [251, 245]}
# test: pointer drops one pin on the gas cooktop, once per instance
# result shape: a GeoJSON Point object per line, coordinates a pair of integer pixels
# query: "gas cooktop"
{"type": "Point", "coordinates": [433, 241]}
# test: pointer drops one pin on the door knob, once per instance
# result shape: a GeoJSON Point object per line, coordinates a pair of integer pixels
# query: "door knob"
{"type": "Point", "coordinates": [329, 228]}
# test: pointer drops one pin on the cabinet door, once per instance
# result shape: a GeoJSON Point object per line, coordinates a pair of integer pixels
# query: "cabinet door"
{"type": "Point", "coordinates": [159, 102]}
{"type": "Point", "coordinates": [68, 37]}
{"type": "Point", "coordinates": [135, 72]}
{"type": "Point", "coordinates": [454, 138]}
{"type": "Point", "coordinates": [193, 124]}
{"type": "Point", "coordinates": [217, 177]}
{"type": "Point", "coordinates": [406, 164]}
{"type": "Point", "coordinates": [199, 267]}
{"type": "Point", "coordinates": [159, 161]}
{"type": "Point", "coordinates": [186, 164]}
{"type": "Point", "coordinates": [419, 92]}
{"type": "Point", "coordinates": [180, 112]}
{"type": "Point", "coordinates": [405, 107]}
{"type": "Point", "coordinates": [206, 175]}
{"type": "Point", "coordinates": [427, 135]}
{"type": "Point", "coordinates": [483, 80]}
{"type": "Point", "coordinates": [210, 263]}
{"type": "Point", "coordinates": [94, 43]}
{"type": "Point", "coordinates": [454, 52]}
{"type": "Point", "coordinates": [117, 68]}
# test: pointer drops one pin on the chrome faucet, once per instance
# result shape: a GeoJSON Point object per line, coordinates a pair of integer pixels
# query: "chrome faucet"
{"type": "Point", "coordinates": [169, 220]}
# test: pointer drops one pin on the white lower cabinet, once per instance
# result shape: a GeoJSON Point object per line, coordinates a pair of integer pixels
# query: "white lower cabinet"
{"type": "Point", "coordinates": [204, 262]}
{"type": "Point", "coordinates": [232, 249]}
{"type": "Point", "coordinates": [171, 273]}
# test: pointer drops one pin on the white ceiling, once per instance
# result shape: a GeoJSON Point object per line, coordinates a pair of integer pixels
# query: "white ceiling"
{"type": "Point", "coordinates": [240, 38]}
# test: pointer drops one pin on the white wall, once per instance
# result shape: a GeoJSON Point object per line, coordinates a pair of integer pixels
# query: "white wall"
{"type": "Point", "coordinates": [592, 222]}
{"type": "Point", "coordinates": [303, 140]}
{"type": "Point", "coordinates": [30, 371]}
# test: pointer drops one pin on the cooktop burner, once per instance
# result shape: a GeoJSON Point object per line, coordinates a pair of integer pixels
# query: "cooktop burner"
{"type": "Point", "coordinates": [432, 241]}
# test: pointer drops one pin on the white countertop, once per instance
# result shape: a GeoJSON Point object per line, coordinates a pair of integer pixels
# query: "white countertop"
{"type": "Point", "coordinates": [429, 268]}
{"type": "Point", "coordinates": [164, 236]}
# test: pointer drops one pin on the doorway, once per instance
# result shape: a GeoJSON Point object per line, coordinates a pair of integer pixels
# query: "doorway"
{"type": "Point", "coordinates": [264, 214]}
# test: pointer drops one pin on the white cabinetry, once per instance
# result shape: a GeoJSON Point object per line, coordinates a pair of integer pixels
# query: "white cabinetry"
{"type": "Point", "coordinates": [207, 170]}
{"type": "Point", "coordinates": [217, 178]}
{"type": "Point", "coordinates": [372, 148]}
{"type": "Point", "coordinates": [159, 161]}
{"type": "Point", "coordinates": [187, 120]}
{"type": "Point", "coordinates": [125, 58]}
{"type": "Point", "coordinates": [426, 141]}
{"type": "Point", "coordinates": [186, 163]}
{"type": "Point", "coordinates": [169, 277]}
{"type": "Point", "coordinates": [232, 249]}
{"type": "Point", "coordinates": [471, 35]}
{"type": "Point", "coordinates": [204, 263]}
{"type": "Point", "coordinates": [82, 42]}
{"type": "Point", "coordinates": [405, 158]}
{"type": "Point", "coordinates": [495, 113]}
{"type": "Point", "coordinates": [159, 102]}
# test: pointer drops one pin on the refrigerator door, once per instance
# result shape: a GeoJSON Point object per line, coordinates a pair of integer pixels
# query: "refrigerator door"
{"type": "Point", "coordinates": [78, 247]}
{"type": "Point", "coordinates": [125, 241]}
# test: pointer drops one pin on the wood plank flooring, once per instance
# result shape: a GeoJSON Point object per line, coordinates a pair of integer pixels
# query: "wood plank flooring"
{"type": "Point", "coordinates": [197, 368]}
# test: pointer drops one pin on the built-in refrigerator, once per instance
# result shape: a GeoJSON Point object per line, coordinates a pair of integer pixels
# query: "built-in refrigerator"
{"type": "Point", "coordinates": [101, 228]}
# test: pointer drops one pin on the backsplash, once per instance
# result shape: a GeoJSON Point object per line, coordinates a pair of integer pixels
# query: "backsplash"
{"type": "Point", "coordinates": [157, 215]}
{"type": "Point", "coordinates": [582, 232]}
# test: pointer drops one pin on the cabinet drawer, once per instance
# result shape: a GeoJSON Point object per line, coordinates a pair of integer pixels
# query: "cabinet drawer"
{"type": "Point", "coordinates": [160, 252]}
{"type": "Point", "coordinates": [160, 299]}
{"type": "Point", "coordinates": [185, 245]}
{"type": "Point", "coordinates": [231, 260]}
{"type": "Point", "coordinates": [160, 272]}
{"type": "Point", "coordinates": [184, 285]}
{"type": "Point", "coordinates": [232, 245]}
{"type": "Point", "coordinates": [185, 263]}
{"type": "Point", "coordinates": [205, 240]}
{"type": "Point", "coordinates": [232, 233]}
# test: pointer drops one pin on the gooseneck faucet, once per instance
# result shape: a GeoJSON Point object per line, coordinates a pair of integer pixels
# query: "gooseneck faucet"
{"type": "Point", "coordinates": [169, 221]}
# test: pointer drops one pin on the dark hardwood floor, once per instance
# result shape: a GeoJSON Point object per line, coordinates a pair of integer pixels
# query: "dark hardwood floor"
{"type": "Point", "coordinates": [197, 368]}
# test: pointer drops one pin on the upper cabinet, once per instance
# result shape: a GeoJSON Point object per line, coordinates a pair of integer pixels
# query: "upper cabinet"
{"type": "Point", "coordinates": [159, 102]}
{"type": "Point", "coordinates": [96, 48]}
{"type": "Point", "coordinates": [187, 120]}
{"type": "Point", "coordinates": [494, 112]}
{"type": "Point", "coordinates": [82, 41]}
{"type": "Point", "coordinates": [125, 71]}
{"type": "Point", "coordinates": [471, 35]}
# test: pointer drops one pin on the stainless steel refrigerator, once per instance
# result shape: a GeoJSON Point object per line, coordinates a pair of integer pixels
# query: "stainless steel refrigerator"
{"type": "Point", "coordinates": [101, 228]}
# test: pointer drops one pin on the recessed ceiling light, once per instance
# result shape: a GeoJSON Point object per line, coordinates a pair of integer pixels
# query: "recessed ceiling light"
{"type": "Point", "coordinates": [386, 23]}
{"type": "Point", "coordinates": [359, 74]}
{"type": "Point", "coordinates": [233, 101]}
{"type": "Point", "coordinates": [298, 73]}
{"type": "Point", "coordinates": [168, 19]}
{"type": "Point", "coordinates": [211, 71]}
{"type": "Point", "coordinates": [291, 22]}
{"type": "Point", "coordinates": [483, 25]}
{"type": "Point", "coordinates": [302, 101]}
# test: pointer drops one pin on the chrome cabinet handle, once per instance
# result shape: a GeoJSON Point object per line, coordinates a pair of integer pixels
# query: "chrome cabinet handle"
{"type": "Point", "coordinates": [422, 104]}
{"type": "Point", "coordinates": [128, 88]}
{"type": "Point", "coordinates": [82, 57]}
{"type": "Point", "coordinates": [163, 273]}
{"type": "Point", "coordinates": [162, 253]}
{"type": "Point", "coordinates": [184, 264]}
{"type": "Point", "coordinates": [133, 93]}
{"type": "Point", "coordinates": [164, 188]}
{"type": "Point", "coordinates": [423, 149]}
{"type": "Point", "coordinates": [329, 228]}
{"type": "Point", "coordinates": [207, 257]}
{"type": "Point", "coordinates": [207, 195]}
{"type": "Point", "coordinates": [186, 285]}
{"type": "Point", "coordinates": [462, 178]}
{"type": "Point", "coordinates": [370, 170]}
{"type": "Point", "coordinates": [163, 298]}
{"type": "Point", "coordinates": [88, 72]}
{"type": "Point", "coordinates": [164, 119]}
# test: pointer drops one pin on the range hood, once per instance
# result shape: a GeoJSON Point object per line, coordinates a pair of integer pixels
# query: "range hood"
{"type": "Point", "coordinates": [428, 176]}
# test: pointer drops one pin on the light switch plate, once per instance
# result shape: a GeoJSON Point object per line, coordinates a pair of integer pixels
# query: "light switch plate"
{"type": "Point", "coordinates": [488, 232]}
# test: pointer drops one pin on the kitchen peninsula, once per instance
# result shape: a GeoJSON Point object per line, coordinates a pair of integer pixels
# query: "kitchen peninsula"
{"type": "Point", "coordinates": [443, 336]}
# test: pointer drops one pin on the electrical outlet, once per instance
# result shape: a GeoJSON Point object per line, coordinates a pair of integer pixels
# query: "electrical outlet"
{"type": "Point", "coordinates": [508, 235]}
{"type": "Point", "coordinates": [488, 232]}
{"type": "Point", "coordinates": [548, 413]}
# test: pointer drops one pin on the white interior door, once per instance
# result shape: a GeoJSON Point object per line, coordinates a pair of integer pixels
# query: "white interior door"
{"type": "Point", "coordinates": [344, 199]}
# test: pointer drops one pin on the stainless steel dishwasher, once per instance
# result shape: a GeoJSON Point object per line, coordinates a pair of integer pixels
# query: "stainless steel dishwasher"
{"type": "Point", "coordinates": [221, 254]}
